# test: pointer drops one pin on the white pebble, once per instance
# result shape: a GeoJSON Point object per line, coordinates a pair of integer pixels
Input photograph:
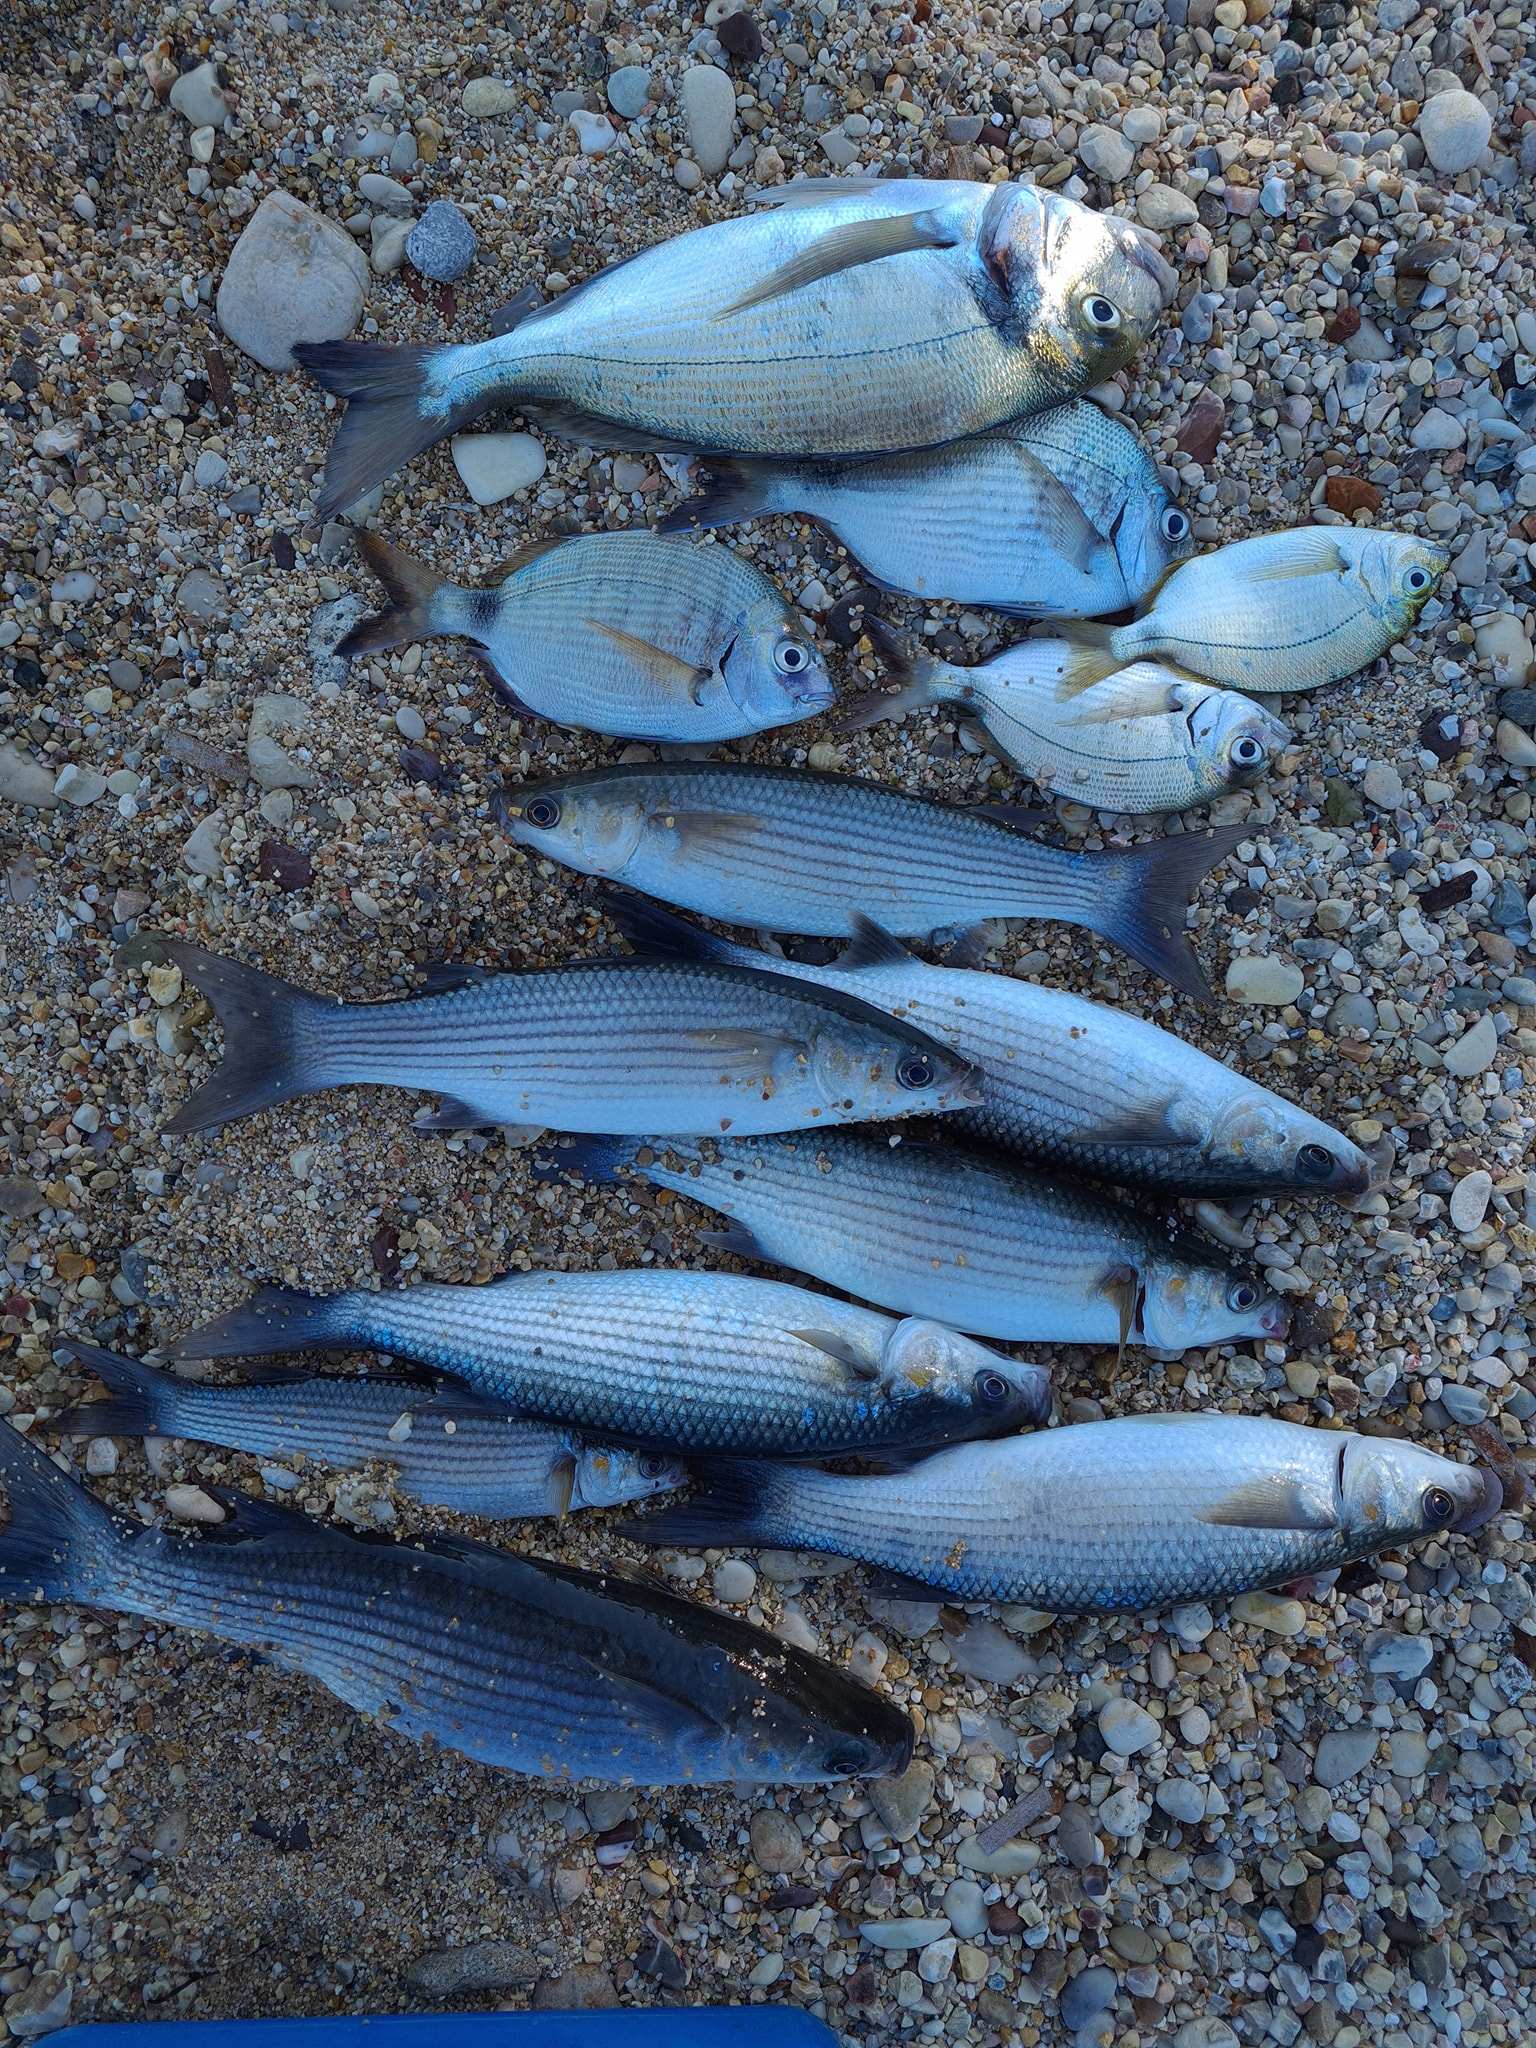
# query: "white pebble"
{"type": "Point", "coordinates": [493, 466]}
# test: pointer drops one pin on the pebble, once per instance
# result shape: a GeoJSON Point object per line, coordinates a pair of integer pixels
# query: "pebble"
{"type": "Point", "coordinates": [1182, 1800]}
{"type": "Point", "coordinates": [965, 1906]}
{"type": "Point", "coordinates": [1454, 128]}
{"type": "Point", "coordinates": [1086, 1995]}
{"type": "Point", "coordinates": [734, 1582]}
{"type": "Point", "coordinates": [903, 1934]}
{"type": "Point", "coordinates": [1108, 154]}
{"type": "Point", "coordinates": [292, 276]}
{"type": "Point", "coordinates": [203, 849]}
{"type": "Point", "coordinates": [442, 244]}
{"type": "Point", "coordinates": [709, 109]}
{"type": "Point", "coordinates": [594, 133]}
{"type": "Point", "coordinates": [1161, 207]}
{"type": "Point", "coordinates": [1382, 785]}
{"type": "Point", "coordinates": [79, 786]}
{"type": "Point", "coordinates": [1398, 1656]}
{"type": "Point", "coordinates": [1437, 430]}
{"type": "Point", "coordinates": [410, 724]}
{"type": "Point", "coordinates": [191, 1504]}
{"type": "Point", "coordinates": [1127, 1727]}
{"type": "Point", "coordinates": [479, 1966]}
{"type": "Point", "coordinates": [198, 97]}
{"type": "Point", "coordinates": [483, 99]}
{"type": "Point", "coordinates": [493, 466]}
{"type": "Point", "coordinates": [777, 1845]}
{"type": "Point", "coordinates": [1474, 1052]}
{"type": "Point", "coordinates": [902, 1802]}
{"type": "Point", "coordinates": [1342, 1754]}
{"type": "Point", "coordinates": [1276, 1612]}
{"type": "Point", "coordinates": [628, 90]}
{"type": "Point", "coordinates": [385, 194]}
{"type": "Point", "coordinates": [1516, 747]}
{"type": "Point", "coordinates": [1470, 1198]}
{"type": "Point", "coordinates": [1264, 978]}
{"type": "Point", "coordinates": [1141, 124]}
{"type": "Point", "coordinates": [210, 471]}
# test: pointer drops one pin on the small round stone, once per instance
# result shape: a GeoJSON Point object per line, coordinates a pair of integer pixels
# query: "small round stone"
{"type": "Point", "coordinates": [493, 466]}
{"type": "Point", "coordinates": [734, 1582]}
{"type": "Point", "coordinates": [628, 90]}
{"type": "Point", "coordinates": [442, 244]}
{"type": "Point", "coordinates": [1127, 1727]}
{"type": "Point", "coordinates": [1454, 128]}
{"type": "Point", "coordinates": [1264, 978]}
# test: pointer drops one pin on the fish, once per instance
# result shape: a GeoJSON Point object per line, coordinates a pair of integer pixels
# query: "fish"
{"type": "Point", "coordinates": [1280, 611]}
{"type": "Point", "coordinates": [1143, 738]}
{"type": "Point", "coordinates": [1103, 1517]}
{"type": "Point", "coordinates": [532, 1666]}
{"type": "Point", "coordinates": [666, 1360]}
{"type": "Point", "coordinates": [968, 1238]}
{"type": "Point", "coordinates": [791, 850]}
{"type": "Point", "coordinates": [622, 1044]}
{"type": "Point", "coordinates": [841, 317]}
{"type": "Point", "coordinates": [1097, 1092]}
{"type": "Point", "coordinates": [1060, 516]}
{"type": "Point", "coordinates": [627, 634]}
{"type": "Point", "coordinates": [447, 1447]}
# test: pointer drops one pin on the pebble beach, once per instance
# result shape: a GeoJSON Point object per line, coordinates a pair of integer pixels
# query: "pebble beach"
{"type": "Point", "coordinates": [1308, 1813]}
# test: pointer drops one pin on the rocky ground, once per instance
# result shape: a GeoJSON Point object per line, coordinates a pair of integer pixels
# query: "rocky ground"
{"type": "Point", "coordinates": [1300, 1816]}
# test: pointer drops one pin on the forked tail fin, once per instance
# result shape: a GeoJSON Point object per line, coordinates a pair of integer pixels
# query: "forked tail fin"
{"type": "Point", "coordinates": [728, 493]}
{"type": "Point", "coordinates": [275, 1320]}
{"type": "Point", "coordinates": [393, 411]}
{"type": "Point", "coordinates": [411, 587]}
{"type": "Point", "coordinates": [272, 1036]}
{"type": "Point", "coordinates": [1138, 899]}
{"type": "Point", "coordinates": [57, 1536]}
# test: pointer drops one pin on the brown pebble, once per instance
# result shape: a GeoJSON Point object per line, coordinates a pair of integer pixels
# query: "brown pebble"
{"type": "Point", "coordinates": [1200, 430]}
{"type": "Point", "coordinates": [1351, 494]}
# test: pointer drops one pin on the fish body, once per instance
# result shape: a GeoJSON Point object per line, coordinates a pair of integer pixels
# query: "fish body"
{"type": "Point", "coordinates": [1093, 1090]}
{"type": "Point", "coordinates": [795, 851]}
{"type": "Point", "coordinates": [534, 1667]}
{"type": "Point", "coordinates": [969, 1238]}
{"type": "Point", "coordinates": [626, 1043]}
{"type": "Point", "coordinates": [848, 317]}
{"type": "Point", "coordinates": [1104, 1517]}
{"type": "Point", "coordinates": [446, 1447]}
{"type": "Point", "coordinates": [629, 634]}
{"type": "Point", "coordinates": [1286, 611]}
{"type": "Point", "coordinates": [678, 1362]}
{"type": "Point", "coordinates": [1059, 516]}
{"type": "Point", "coordinates": [1145, 737]}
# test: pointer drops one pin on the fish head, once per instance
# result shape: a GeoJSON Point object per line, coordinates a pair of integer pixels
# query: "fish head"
{"type": "Point", "coordinates": [1198, 1300]}
{"type": "Point", "coordinates": [773, 670]}
{"type": "Point", "coordinates": [608, 1475]}
{"type": "Point", "coordinates": [1079, 290]}
{"type": "Point", "coordinates": [768, 1713]}
{"type": "Point", "coordinates": [972, 1390]}
{"type": "Point", "coordinates": [892, 1068]}
{"type": "Point", "coordinates": [592, 825]}
{"type": "Point", "coordinates": [1152, 534]}
{"type": "Point", "coordinates": [1232, 740]}
{"type": "Point", "coordinates": [1389, 1489]}
{"type": "Point", "coordinates": [1398, 572]}
{"type": "Point", "coordinates": [1262, 1142]}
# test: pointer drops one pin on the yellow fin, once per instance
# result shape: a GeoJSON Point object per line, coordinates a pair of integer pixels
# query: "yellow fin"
{"type": "Point", "coordinates": [1314, 558]}
{"type": "Point", "coordinates": [563, 1477]}
{"type": "Point", "coordinates": [841, 248]}
{"type": "Point", "coordinates": [1123, 1289]}
{"type": "Point", "coordinates": [670, 670]}
{"type": "Point", "coordinates": [1087, 658]}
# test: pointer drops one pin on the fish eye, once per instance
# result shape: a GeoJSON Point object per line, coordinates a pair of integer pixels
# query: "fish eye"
{"type": "Point", "coordinates": [992, 1388]}
{"type": "Point", "coordinates": [846, 1759]}
{"type": "Point", "coordinates": [652, 1468]}
{"type": "Point", "coordinates": [1439, 1508]}
{"type": "Point", "coordinates": [1101, 313]}
{"type": "Point", "coordinates": [1247, 752]}
{"type": "Point", "coordinates": [1242, 1294]}
{"type": "Point", "coordinates": [1416, 582]}
{"type": "Point", "coordinates": [1175, 524]}
{"type": "Point", "coordinates": [916, 1071]}
{"type": "Point", "coordinates": [791, 658]}
{"type": "Point", "coordinates": [1314, 1162]}
{"type": "Point", "coordinates": [542, 812]}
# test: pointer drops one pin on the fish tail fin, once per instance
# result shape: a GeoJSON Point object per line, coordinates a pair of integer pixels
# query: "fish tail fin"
{"type": "Point", "coordinates": [397, 405]}
{"type": "Point", "coordinates": [659, 935]}
{"type": "Point", "coordinates": [922, 680]}
{"type": "Point", "coordinates": [736, 1503]}
{"type": "Point", "coordinates": [1138, 899]}
{"type": "Point", "coordinates": [275, 1320]}
{"type": "Point", "coordinates": [414, 590]}
{"type": "Point", "coordinates": [272, 1037]}
{"type": "Point", "coordinates": [595, 1157]}
{"type": "Point", "coordinates": [56, 1532]}
{"type": "Point", "coordinates": [141, 1401]}
{"type": "Point", "coordinates": [728, 492]}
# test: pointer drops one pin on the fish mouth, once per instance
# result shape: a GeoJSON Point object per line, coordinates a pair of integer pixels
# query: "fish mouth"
{"type": "Point", "coordinates": [1142, 250]}
{"type": "Point", "coordinates": [1274, 1319]}
{"type": "Point", "coordinates": [1490, 1498]}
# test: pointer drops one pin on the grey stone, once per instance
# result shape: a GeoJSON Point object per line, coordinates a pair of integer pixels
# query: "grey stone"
{"type": "Point", "coordinates": [903, 1934]}
{"type": "Point", "coordinates": [442, 244]}
{"type": "Point", "coordinates": [198, 97]}
{"type": "Point", "coordinates": [79, 786]}
{"type": "Point", "coordinates": [594, 133]}
{"type": "Point", "coordinates": [292, 276]}
{"type": "Point", "coordinates": [1076, 1837]}
{"type": "Point", "coordinates": [200, 595]}
{"type": "Point", "coordinates": [25, 781]}
{"type": "Point", "coordinates": [479, 1966]}
{"type": "Point", "coordinates": [1264, 978]}
{"type": "Point", "coordinates": [1466, 1405]}
{"type": "Point", "coordinates": [966, 1905]}
{"type": "Point", "coordinates": [1342, 1754]}
{"type": "Point", "coordinates": [1182, 1800]}
{"type": "Point", "coordinates": [1086, 1995]}
{"type": "Point", "coordinates": [1437, 430]}
{"type": "Point", "coordinates": [484, 98]}
{"type": "Point", "coordinates": [1474, 1051]}
{"type": "Point", "coordinates": [709, 110]}
{"type": "Point", "coordinates": [1382, 785]}
{"type": "Point", "coordinates": [1454, 128]}
{"type": "Point", "coordinates": [1396, 1656]}
{"type": "Point", "coordinates": [1127, 1727]}
{"type": "Point", "coordinates": [203, 850]}
{"type": "Point", "coordinates": [777, 1844]}
{"type": "Point", "coordinates": [628, 90]}
{"type": "Point", "coordinates": [384, 194]}
{"type": "Point", "coordinates": [1106, 153]}
{"type": "Point", "coordinates": [902, 1802]}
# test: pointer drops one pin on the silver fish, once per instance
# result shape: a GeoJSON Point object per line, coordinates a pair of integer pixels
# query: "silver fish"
{"type": "Point", "coordinates": [795, 851]}
{"type": "Point", "coordinates": [847, 317]}
{"type": "Point", "coordinates": [1103, 1517]}
{"type": "Point", "coordinates": [624, 1044]}
{"type": "Point", "coordinates": [1061, 516]}
{"type": "Point", "coordinates": [621, 633]}
{"type": "Point", "coordinates": [1282, 611]}
{"type": "Point", "coordinates": [680, 1362]}
{"type": "Point", "coordinates": [447, 1448]}
{"type": "Point", "coordinates": [969, 1238]}
{"type": "Point", "coordinates": [538, 1668]}
{"type": "Point", "coordinates": [1094, 1090]}
{"type": "Point", "coordinates": [1143, 738]}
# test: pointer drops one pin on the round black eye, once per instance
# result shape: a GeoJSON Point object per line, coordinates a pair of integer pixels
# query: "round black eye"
{"type": "Point", "coordinates": [846, 1760]}
{"type": "Point", "coordinates": [1101, 313]}
{"type": "Point", "coordinates": [652, 1468]}
{"type": "Point", "coordinates": [1175, 524]}
{"type": "Point", "coordinates": [1247, 752]}
{"type": "Point", "coordinates": [542, 811]}
{"type": "Point", "coordinates": [1439, 1508]}
{"type": "Point", "coordinates": [1314, 1162]}
{"type": "Point", "coordinates": [1417, 580]}
{"type": "Point", "coordinates": [915, 1071]}
{"type": "Point", "coordinates": [1242, 1295]}
{"type": "Point", "coordinates": [790, 658]}
{"type": "Point", "coordinates": [991, 1389]}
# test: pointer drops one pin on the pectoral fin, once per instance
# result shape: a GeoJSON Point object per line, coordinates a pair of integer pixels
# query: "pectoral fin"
{"type": "Point", "coordinates": [843, 248]}
{"type": "Point", "coordinates": [700, 831]}
{"type": "Point", "coordinates": [738, 1239]}
{"type": "Point", "coordinates": [562, 1480]}
{"type": "Point", "coordinates": [749, 1052]}
{"type": "Point", "coordinates": [669, 670]}
{"type": "Point", "coordinates": [1150, 1126]}
{"type": "Point", "coordinates": [839, 1348]}
{"type": "Point", "coordinates": [1316, 558]}
{"type": "Point", "coordinates": [453, 1115]}
{"type": "Point", "coordinates": [1066, 525]}
{"type": "Point", "coordinates": [1271, 1502]}
{"type": "Point", "coordinates": [1122, 1288]}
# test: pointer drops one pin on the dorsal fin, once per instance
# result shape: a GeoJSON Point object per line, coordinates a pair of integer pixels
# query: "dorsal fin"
{"type": "Point", "coordinates": [530, 551]}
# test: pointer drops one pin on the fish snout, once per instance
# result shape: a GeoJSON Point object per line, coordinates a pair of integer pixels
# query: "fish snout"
{"type": "Point", "coordinates": [1484, 1504]}
{"type": "Point", "coordinates": [1275, 1320]}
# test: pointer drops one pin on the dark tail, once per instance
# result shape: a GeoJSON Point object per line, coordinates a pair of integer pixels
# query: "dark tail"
{"type": "Point", "coordinates": [55, 1531]}
{"type": "Point", "coordinates": [1138, 899]}
{"type": "Point", "coordinates": [658, 935]}
{"type": "Point", "coordinates": [275, 1319]}
{"type": "Point", "coordinates": [730, 491]}
{"type": "Point", "coordinates": [270, 1038]}
{"type": "Point", "coordinates": [410, 586]}
{"type": "Point", "coordinates": [390, 416]}
{"type": "Point", "coordinates": [142, 1400]}
{"type": "Point", "coordinates": [595, 1158]}
{"type": "Point", "coordinates": [917, 675]}
{"type": "Point", "coordinates": [734, 1504]}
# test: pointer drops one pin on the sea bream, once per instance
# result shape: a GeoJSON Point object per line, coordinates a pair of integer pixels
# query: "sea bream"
{"type": "Point", "coordinates": [1282, 611]}
{"type": "Point", "coordinates": [1145, 737]}
{"type": "Point", "coordinates": [535, 1667]}
{"type": "Point", "coordinates": [972, 1238]}
{"type": "Point", "coordinates": [444, 1445]}
{"type": "Point", "coordinates": [1060, 516]}
{"type": "Point", "coordinates": [1104, 1517]}
{"type": "Point", "coordinates": [672, 1361]}
{"type": "Point", "coordinates": [607, 1044]}
{"type": "Point", "coordinates": [791, 850]}
{"type": "Point", "coordinates": [845, 316]}
{"type": "Point", "coordinates": [1097, 1091]}
{"type": "Point", "coordinates": [627, 634]}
